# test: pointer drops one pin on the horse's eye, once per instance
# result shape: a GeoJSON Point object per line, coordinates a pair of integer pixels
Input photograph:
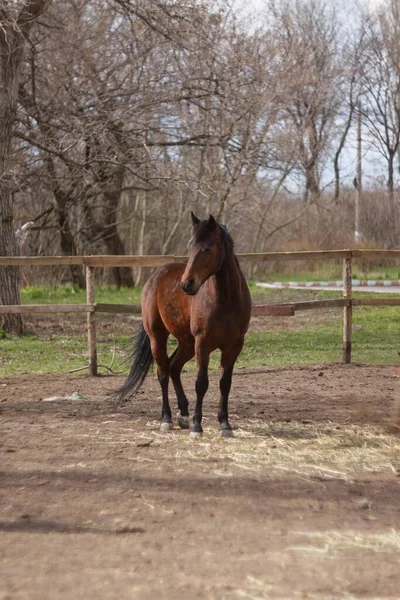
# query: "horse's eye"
{"type": "Point", "coordinates": [206, 250]}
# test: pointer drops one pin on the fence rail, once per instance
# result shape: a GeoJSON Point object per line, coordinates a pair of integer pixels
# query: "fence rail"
{"type": "Point", "coordinates": [158, 260]}
{"type": "Point", "coordinates": [287, 309]}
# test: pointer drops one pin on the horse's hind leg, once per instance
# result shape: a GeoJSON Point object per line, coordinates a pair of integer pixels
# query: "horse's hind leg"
{"type": "Point", "coordinates": [228, 359]}
{"type": "Point", "coordinates": [181, 356]}
{"type": "Point", "coordinates": [158, 340]}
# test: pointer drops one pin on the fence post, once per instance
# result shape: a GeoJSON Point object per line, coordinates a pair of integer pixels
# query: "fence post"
{"type": "Point", "coordinates": [348, 310]}
{"type": "Point", "coordinates": [91, 322]}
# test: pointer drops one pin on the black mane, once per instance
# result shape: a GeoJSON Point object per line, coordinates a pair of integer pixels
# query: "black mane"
{"type": "Point", "coordinates": [226, 235]}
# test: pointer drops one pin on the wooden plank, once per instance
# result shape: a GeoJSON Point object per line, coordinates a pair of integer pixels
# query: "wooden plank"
{"type": "Point", "coordinates": [118, 308]}
{"type": "Point", "coordinates": [347, 311]}
{"type": "Point", "coordinates": [375, 253]}
{"type": "Point", "coordinates": [92, 261]}
{"type": "Point", "coordinates": [273, 310]}
{"type": "Point", "coordinates": [257, 309]}
{"type": "Point", "coordinates": [159, 260]}
{"type": "Point", "coordinates": [41, 260]}
{"type": "Point", "coordinates": [314, 304]}
{"type": "Point", "coordinates": [128, 261]}
{"type": "Point", "coordinates": [91, 322]}
{"type": "Point", "coordinates": [375, 301]}
{"type": "Point", "coordinates": [45, 308]}
{"type": "Point", "coordinates": [284, 310]}
{"type": "Point", "coordinates": [306, 255]}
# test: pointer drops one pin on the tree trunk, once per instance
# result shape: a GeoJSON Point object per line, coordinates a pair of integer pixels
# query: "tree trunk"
{"type": "Point", "coordinates": [337, 156]}
{"type": "Point", "coordinates": [14, 29]}
{"type": "Point", "coordinates": [312, 191]}
{"type": "Point", "coordinates": [10, 58]}
{"type": "Point", "coordinates": [390, 185]}
{"type": "Point", "coordinates": [122, 275]}
{"type": "Point", "coordinates": [140, 248]}
{"type": "Point", "coordinates": [67, 242]}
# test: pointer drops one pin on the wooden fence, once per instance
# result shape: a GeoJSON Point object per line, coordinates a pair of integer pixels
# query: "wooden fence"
{"type": "Point", "coordinates": [289, 309]}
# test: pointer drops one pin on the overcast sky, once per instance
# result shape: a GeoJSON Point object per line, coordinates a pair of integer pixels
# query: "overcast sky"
{"type": "Point", "coordinates": [347, 6]}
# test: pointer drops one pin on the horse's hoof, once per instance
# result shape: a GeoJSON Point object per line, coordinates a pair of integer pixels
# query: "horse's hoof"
{"type": "Point", "coordinates": [226, 433]}
{"type": "Point", "coordinates": [166, 426]}
{"type": "Point", "coordinates": [183, 421]}
{"type": "Point", "coordinates": [195, 434]}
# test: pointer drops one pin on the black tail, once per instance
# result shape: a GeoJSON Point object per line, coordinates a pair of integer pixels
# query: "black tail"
{"type": "Point", "coordinates": [142, 361]}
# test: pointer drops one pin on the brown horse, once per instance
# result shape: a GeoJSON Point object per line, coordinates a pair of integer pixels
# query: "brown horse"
{"type": "Point", "coordinates": [206, 306]}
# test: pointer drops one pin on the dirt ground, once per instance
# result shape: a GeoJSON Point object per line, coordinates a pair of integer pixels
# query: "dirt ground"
{"type": "Point", "coordinates": [304, 502]}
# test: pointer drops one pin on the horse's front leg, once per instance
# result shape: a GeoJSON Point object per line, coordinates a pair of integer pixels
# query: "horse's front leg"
{"type": "Point", "coordinates": [202, 359]}
{"type": "Point", "coordinates": [181, 355]}
{"type": "Point", "coordinates": [228, 359]}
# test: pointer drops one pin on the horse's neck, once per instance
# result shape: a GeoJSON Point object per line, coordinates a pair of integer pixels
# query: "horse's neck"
{"type": "Point", "coordinates": [229, 279]}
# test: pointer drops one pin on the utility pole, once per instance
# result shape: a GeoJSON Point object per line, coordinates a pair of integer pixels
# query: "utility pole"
{"type": "Point", "coordinates": [358, 180]}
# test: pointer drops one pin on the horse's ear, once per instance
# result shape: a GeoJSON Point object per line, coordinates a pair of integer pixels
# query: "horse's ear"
{"type": "Point", "coordinates": [212, 223]}
{"type": "Point", "coordinates": [195, 220]}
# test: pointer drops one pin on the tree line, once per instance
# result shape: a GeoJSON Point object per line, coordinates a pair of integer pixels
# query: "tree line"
{"type": "Point", "coordinates": [118, 117]}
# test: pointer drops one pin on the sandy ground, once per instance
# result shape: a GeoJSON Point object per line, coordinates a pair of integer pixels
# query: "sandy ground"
{"type": "Point", "coordinates": [304, 502]}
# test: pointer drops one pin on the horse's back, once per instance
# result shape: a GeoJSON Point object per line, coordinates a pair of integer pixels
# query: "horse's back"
{"type": "Point", "coordinates": [163, 277]}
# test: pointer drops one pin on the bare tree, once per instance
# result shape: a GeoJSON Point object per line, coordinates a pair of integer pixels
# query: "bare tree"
{"type": "Point", "coordinates": [132, 111]}
{"type": "Point", "coordinates": [16, 20]}
{"type": "Point", "coordinates": [381, 86]}
{"type": "Point", "coordinates": [307, 41]}
{"type": "Point", "coordinates": [104, 114]}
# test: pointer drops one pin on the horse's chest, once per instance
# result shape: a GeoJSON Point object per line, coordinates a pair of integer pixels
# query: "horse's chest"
{"type": "Point", "coordinates": [217, 322]}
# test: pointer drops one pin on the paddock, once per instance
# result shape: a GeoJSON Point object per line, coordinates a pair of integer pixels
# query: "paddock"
{"type": "Point", "coordinates": [304, 502]}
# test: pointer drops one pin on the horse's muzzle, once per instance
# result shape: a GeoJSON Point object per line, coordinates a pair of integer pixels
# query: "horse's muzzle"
{"type": "Point", "coordinates": [189, 287]}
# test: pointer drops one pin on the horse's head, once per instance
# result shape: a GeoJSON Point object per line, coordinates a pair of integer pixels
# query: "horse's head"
{"type": "Point", "coordinates": [206, 254]}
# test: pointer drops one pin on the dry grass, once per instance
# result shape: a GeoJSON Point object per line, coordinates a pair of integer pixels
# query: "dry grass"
{"type": "Point", "coordinates": [255, 589]}
{"type": "Point", "coordinates": [332, 543]}
{"type": "Point", "coordinates": [306, 450]}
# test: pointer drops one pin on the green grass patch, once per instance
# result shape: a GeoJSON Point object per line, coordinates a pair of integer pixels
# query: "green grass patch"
{"type": "Point", "coordinates": [375, 341]}
{"type": "Point", "coordinates": [376, 334]}
{"type": "Point", "coordinates": [31, 354]}
{"type": "Point", "coordinates": [262, 295]}
{"type": "Point", "coordinates": [67, 294]}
